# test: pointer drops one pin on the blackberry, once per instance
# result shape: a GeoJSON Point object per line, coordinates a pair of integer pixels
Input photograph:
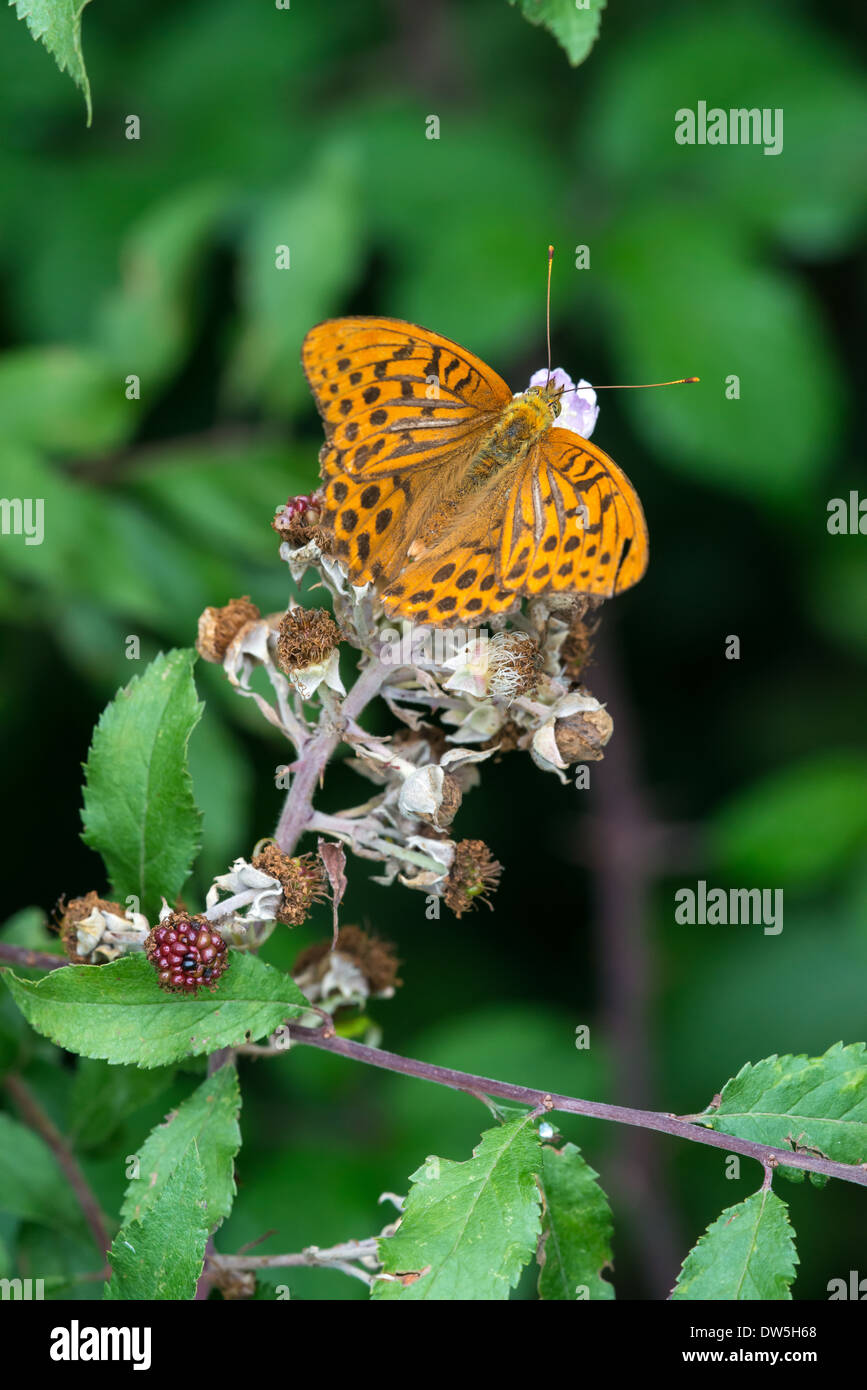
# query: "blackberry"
{"type": "Point", "coordinates": [188, 953]}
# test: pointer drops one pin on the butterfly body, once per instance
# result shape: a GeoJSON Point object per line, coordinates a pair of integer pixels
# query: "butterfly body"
{"type": "Point", "coordinates": [523, 422]}
{"type": "Point", "coordinates": [454, 497]}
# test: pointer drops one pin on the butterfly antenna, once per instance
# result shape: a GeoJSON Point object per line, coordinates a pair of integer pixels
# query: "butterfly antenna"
{"type": "Point", "coordinates": [548, 312]}
{"type": "Point", "coordinates": [641, 386]}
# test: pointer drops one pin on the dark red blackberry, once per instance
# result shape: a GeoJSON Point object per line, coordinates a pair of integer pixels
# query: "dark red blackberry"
{"type": "Point", "coordinates": [188, 953]}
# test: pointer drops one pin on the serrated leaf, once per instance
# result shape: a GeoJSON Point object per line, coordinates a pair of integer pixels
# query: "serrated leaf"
{"type": "Point", "coordinates": [575, 1245]}
{"type": "Point", "coordinates": [32, 1187]}
{"type": "Point", "coordinates": [209, 1119]}
{"type": "Point", "coordinates": [474, 1223]}
{"type": "Point", "coordinates": [57, 24]}
{"type": "Point", "coordinates": [817, 1102]}
{"type": "Point", "coordinates": [161, 1256]}
{"type": "Point", "coordinates": [575, 26]}
{"type": "Point", "coordinates": [102, 1096]}
{"type": "Point", "coordinates": [139, 811]}
{"type": "Point", "coordinates": [748, 1253]}
{"type": "Point", "coordinates": [119, 1013]}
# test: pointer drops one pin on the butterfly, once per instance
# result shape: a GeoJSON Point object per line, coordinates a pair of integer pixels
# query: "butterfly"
{"type": "Point", "coordinates": [451, 495]}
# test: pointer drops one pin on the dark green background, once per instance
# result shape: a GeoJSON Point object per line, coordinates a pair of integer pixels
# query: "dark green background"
{"type": "Point", "coordinates": [156, 258]}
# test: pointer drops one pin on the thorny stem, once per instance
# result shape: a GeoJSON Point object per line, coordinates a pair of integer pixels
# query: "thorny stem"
{"type": "Point", "coordinates": [34, 960]}
{"type": "Point", "coordinates": [314, 758]}
{"type": "Point", "coordinates": [45, 1127]}
{"type": "Point", "coordinates": [347, 1250]}
{"type": "Point", "coordinates": [526, 1095]}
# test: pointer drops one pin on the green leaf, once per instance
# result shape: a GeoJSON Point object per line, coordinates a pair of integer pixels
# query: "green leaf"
{"type": "Point", "coordinates": [92, 547]}
{"type": "Point", "coordinates": [139, 811]}
{"type": "Point", "coordinates": [119, 1013]}
{"type": "Point", "coordinates": [208, 1118]}
{"type": "Point", "coordinates": [222, 783]}
{"type": "Point", "coordinates": [748, 1253]}
{"type": "Point", "coordinates": [687, 296]}
{"type": "Point", "coordinates": [812, 203]}
{"type": "Point", "coordinates": [29, 927]}
{"type": "Point", "coordinates": [102, 1096]}
{"type": "Point", "coordinates": [161, 1256]}
{"type": "Point", "coordinates": [575, 26]}
{"type": "Point", "coordinates": [474, 1223]}
{"type": "Point", "coordinates": [32, 1187]}
{"type": "Point", "coordinates": [57, 23]}
{"type": "Point", "coordinates": [65, 400]}
{"type": "Point", "coordinates": [798, 826]}
{"type": "Point", "coordinates": [575, 1245]}
{"type": "Point", "coordinates": [319, 222]}
{"type": "Point", "coordinates": [148, 319]}
{"type": "Point", "coordinates": [817, 1102]}
{"type": "Point", "coordinates": [196, 489]}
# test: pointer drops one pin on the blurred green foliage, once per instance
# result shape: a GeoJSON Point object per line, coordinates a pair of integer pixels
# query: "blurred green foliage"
{"type": "Point", "coordinates": [155, 258]}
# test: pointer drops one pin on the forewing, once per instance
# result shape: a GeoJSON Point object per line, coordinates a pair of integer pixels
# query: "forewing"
{"type": "Point", "coordinates": [394, 396]}
{"type": "Point", "coordinates": [368, 518]}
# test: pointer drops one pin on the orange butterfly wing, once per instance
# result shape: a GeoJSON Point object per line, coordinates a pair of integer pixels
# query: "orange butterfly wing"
{"type": "Point", "coordinates": [396, 396]}
{"type": "Point", "coordinates": [573, 522]}
{"type": "Point", "coordinates": [404, 411]}
{"type": "Point", "coordinates": [567, 519]}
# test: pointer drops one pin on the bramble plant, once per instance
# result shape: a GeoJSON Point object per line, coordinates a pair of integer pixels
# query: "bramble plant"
{"type": "Point", "coordinates": [154, 984]}
{"type": "Point", "coordinates": [152, 415]}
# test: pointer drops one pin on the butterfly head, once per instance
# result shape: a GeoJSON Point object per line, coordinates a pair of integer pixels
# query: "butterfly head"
{"type": "Point", "coordinates": [542, 403]}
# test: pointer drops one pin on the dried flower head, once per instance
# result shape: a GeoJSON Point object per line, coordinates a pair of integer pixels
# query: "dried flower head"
{"type": "Point", "coordinates": [582, 736]}
{"type": "Point", "coordinates": [307, 650]}
{"type": "Point", "coordinates": [235, 1283]}
{"type": "Point", "coordinates": [301, 878]}
{"type": "Point", "coordinates": [577, 648]}
{"type": "Point", "coordinates": [94, 930]}
{"type": "Point", "coordinates": [474, 874]}
{"type": "Point", "coordinates": [218, 627]}
{"type": "Point", "coordinates": [307, 636]}
{"type": "Point", "coordinates": [503, 666]}
{"type": "Point", "coordinates": [358, 966]}
{"type": "Point", "coordinates": [514, 662]}
{"type": "Point", "coordinates": [298, 522]}
{"type": "Point", "coordinates": [506, 741]}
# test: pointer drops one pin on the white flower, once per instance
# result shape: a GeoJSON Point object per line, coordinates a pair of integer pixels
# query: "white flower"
{"type": "Point", "coordinates": [475, 723]}
{"type": "Point", "coordinates": [308, 679]}
{"type": "Point", "coordinates": [433, 793]}
{"type": "Point", "coordinates": [469, 668]}
{"type": "Point", "coordinates": [504, 667]}
{"type": "Point", "coordinates": [342, 983]}
{"type": "Point", "coordinates": [103, 935]}
{"type": "Point", "coordinates": [259, 889]}
{"type": "Point", "coordinates": [578, 408]}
